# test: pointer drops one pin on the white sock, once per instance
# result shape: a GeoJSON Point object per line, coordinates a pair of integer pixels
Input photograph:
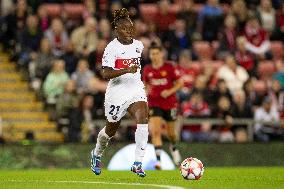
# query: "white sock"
{"type": "Point", "coordinates": [141, 139]}
{"type": "Point", "coordinates": [102, 142]}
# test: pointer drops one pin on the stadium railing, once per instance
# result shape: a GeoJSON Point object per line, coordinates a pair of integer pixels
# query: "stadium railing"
{"type": "Point", "coordinates": [249, 123]}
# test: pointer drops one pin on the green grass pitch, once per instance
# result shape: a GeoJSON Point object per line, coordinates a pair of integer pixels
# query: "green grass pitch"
{"type": "Point", "coordinates": [214, 178]}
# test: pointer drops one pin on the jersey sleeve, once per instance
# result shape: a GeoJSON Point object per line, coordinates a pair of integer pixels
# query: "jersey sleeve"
{"type": "Point", "coordinates": [108, 59]}
{"type": "Point", "coordinates": [176, 74]}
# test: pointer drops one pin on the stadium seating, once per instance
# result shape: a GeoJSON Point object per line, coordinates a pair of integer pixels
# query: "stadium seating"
{"type": "Point", "coordinates": [72, 10]}
{"type": "Point", "coordinates": [149, 10]}
{"type": "Point", "coordinates": [19, 110]}
{"type": "Point", "coordinates": [53, 10]}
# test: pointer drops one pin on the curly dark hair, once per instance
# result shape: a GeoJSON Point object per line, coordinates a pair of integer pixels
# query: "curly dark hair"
{"type": "Point", "coordinates": [119, 14]}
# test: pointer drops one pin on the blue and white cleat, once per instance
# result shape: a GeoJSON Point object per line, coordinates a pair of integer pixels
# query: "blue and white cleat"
{"type": "Point", "coordinates": [137, 169]}
{"type": "Point", "coordinates": [96, 164]}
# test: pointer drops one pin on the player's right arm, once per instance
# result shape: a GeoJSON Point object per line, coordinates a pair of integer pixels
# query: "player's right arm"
{"type": "Point", "coordinates": [109, 73]}
{"type": "Point", "coordinates": [108, 64]}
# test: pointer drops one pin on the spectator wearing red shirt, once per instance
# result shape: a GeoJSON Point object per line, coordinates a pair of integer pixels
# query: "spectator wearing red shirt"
{"type": "Point", "coordinates": [164, 18]}
{"type": "Point", "coordinates": [187, 72]}
{"type": "Point", "coordinates": [196, 107]}
{"type": "Point", "coordinates": [244, 57]}
{"type": "Point", "coordinates": [162, 81]}
{"type": "Point", "coordinates": [257, 39]}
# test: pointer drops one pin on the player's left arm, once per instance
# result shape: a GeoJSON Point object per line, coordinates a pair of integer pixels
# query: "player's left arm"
{"type": "Point", "coordinates": [178, 82]}
{"type": "Point", "coordinates": [177, 86]}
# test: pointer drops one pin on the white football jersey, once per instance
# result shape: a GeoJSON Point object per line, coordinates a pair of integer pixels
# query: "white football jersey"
{"type": "Point", "coordinates": [119, 56]}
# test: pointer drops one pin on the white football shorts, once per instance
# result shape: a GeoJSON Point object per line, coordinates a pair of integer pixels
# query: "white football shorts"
{"type": "Point", "coordinates": [114, 111]}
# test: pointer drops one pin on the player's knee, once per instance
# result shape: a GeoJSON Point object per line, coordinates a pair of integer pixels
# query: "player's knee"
{"type": "Point", "coordinates": [111, 130]}
{"type": "Point", "coordinates": [172, 137]}
{"type": "Point", "coordinates": [112, 133]}
{"type": "Point", "coordinates": [142, 118]}
{"type": "Point", "coordinates": [155, 134]}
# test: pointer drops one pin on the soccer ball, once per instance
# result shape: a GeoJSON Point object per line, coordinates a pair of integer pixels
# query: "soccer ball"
{"type": "Point", "coordinates": [191, 169]}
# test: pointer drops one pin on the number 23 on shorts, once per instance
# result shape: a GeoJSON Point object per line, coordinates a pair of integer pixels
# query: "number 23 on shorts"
{"type": "Point", "coordinates": [114, 110]}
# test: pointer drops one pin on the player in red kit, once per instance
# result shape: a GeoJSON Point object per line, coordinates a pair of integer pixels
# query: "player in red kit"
{"type": "Point", "coordinates": [162, 81]}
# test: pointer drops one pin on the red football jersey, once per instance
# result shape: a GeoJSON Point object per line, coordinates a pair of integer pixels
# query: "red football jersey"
{"type": "Point", "coordinates": [188, 76]}
{"type": "Point", "coordinates": [255, 36]}
{"type": "Point", "coordinates": [245, 59]}
{"type": "Point", "coordinates": [158, 80]}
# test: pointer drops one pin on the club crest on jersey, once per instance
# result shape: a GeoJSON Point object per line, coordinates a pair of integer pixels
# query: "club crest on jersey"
{"type": "Point", "coordinates": [163, 73]}
{"type": "Point", "coordinates": [137, 50]}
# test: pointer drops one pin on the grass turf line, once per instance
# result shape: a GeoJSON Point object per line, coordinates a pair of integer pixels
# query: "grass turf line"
{"type": "Point", "coordinates": [214, 178]}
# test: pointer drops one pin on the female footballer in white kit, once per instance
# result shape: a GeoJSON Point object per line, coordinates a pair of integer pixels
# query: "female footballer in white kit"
{"type": "Point", "coordinates": [125, 91]}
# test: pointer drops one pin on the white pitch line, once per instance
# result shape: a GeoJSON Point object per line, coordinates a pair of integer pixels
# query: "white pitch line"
{"type": "Point", "coordinates": [98, 182]}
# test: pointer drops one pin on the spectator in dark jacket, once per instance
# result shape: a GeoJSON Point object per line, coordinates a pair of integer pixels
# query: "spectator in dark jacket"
{"type": "Point", "coordinates": [66, 103]}
{"type": "Point", "coordinates": [70, 57]}
{"type": "Point", "coordinates": [223, 111]}
{"type": "Point", "coordinates": [81, 126]}
{"type": "Point", "coordinates": [15, 23]}
{"type": "Point", "coordinates": [210, 19]}
{"type": "Point", "coordinates": [30, 40]}
{"type": "Point", "coordinates": [177, 40]}
{"type": "Point", "coordinates": [221, 90]}
{"type": "Point", "coordinates": [44, 20]}
{"type": "Point", "coordinates": [189, 14]}
{"type": "Point", "coordinates": [241, 109]}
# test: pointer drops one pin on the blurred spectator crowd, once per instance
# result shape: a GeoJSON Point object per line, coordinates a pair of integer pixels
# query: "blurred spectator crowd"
{"type": "Point", "coordinates": [230, 54]}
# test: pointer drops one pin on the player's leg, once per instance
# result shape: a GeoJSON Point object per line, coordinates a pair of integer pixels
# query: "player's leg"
{"type": "Point", "coordinates": [171, 124]}
{"type": "Point", "coordinates": [155, 124]}
{"type": "Point", "coordinates": [139, 111]}
{"type": "Point", "coordinates": [102, 141]}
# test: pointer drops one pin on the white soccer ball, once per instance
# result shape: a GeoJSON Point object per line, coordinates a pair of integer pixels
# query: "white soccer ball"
{"type": "Point", "coordinates": [191, 169]}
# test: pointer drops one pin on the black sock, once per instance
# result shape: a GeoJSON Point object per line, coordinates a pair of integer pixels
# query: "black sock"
{"type": "Point", "coordinates": [158, 152]}
{"type": "Point", "coordinates": [173, 146]}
